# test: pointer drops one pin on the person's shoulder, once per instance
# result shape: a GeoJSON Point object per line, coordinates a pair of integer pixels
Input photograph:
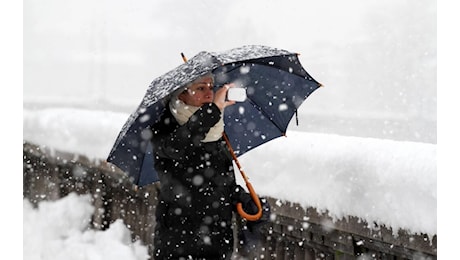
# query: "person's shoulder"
{"type": "Point", "coordinates": [166, 121]}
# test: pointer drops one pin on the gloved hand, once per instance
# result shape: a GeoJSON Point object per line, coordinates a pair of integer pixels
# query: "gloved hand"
{"type": "Point", "coordinates": [251, 233]}
{"type": "Point", "coordinates": [249, 206]}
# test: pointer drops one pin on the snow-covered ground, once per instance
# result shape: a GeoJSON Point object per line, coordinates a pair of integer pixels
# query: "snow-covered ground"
{"type": "Point", "coordinates": [389, 182]}
{"type": "Point", "coordinates": [60, 230]}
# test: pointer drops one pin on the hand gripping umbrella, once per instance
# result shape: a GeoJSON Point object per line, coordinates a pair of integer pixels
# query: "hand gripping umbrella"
{"type": "Point", "coordinates": [276, 85]}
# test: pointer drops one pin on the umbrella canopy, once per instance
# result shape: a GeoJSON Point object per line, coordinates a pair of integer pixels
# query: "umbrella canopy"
{"type": "Point", "coordinates": [276, 85]}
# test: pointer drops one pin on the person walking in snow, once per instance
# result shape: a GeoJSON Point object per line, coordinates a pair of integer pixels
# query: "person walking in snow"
{"type": "Point", "coordinates": [198, 192]}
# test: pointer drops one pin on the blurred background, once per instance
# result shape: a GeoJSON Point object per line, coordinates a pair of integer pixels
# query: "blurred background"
{"type": "Point", "coordinates": [376, 59]}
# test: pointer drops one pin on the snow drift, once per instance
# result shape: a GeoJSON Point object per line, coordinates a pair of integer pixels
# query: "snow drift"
{"type": "Point", "coordinates": [60, 230]}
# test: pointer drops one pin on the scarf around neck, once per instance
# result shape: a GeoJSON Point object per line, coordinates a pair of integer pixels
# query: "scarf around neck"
{"type": "Point", "coordinates": [182, 113]}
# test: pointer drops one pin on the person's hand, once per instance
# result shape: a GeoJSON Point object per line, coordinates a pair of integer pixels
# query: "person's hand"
{"type": "Point", "coordinates": [256, 227]}
{"type": "Point", "coordinates": [221, 95]}
{"type": "Point", "coordinates": [250, 207]}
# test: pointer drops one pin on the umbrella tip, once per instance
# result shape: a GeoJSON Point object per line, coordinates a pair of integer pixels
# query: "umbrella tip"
{"type": "Point", "coordinates": [183, 57]}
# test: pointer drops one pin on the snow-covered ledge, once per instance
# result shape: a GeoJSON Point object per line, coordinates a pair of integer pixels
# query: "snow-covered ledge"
{"type": "Point", "coordinates": [392, 183]}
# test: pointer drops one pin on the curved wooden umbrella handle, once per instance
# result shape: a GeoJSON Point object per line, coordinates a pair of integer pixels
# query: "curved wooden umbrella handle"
{"type": "Point", "coordinates": [256, 200]}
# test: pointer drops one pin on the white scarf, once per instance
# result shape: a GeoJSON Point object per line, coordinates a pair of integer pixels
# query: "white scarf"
{"type": "Point", "coordinates": [182, 112]}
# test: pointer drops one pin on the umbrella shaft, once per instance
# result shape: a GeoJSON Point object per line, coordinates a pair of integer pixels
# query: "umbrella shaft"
{"type": "Point", "coordinates": [235, 158]}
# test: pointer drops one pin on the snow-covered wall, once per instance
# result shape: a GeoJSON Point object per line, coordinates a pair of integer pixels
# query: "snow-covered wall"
{"type": "Point", "coordinates": [389, 182]}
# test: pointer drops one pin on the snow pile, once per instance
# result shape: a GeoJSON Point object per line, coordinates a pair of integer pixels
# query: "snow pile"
{"type": "Point", "coordinates": [59, 230]}
{"type": "Point", "coordinates": [392, 183]}
{"type": "Point", "coordinates": [85, 132]}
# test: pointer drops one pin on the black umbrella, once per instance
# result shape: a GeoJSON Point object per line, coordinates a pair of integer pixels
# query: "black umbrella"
{"type": "Point", "coordinates": [276, 85]}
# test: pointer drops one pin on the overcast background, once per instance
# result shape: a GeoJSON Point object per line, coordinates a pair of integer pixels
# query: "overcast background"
{"type": "Point", "coordinates": [376, 59]}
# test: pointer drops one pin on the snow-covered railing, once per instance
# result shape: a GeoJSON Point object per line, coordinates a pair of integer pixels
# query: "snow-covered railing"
{"type": "Point", "coordinates": [292, 233]}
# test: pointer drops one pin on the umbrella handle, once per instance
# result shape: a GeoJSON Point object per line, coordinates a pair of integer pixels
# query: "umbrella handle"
{"type": "Point", "coordinates": [255, 198]}
{"type": "Point", "coordinates": [252, 192]}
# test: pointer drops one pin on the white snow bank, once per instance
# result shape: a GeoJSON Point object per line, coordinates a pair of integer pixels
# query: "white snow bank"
{"type": "Point", "coordinates": [59, 230]}
{"type": "Point", "coordinates": [383, 181]}
{"type": "Point", "coordinates": [86, 132]}
{"type": "Point", "coordinates": [389, 182]}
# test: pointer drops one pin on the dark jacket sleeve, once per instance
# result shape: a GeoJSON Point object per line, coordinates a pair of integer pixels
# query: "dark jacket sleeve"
{"type": "Point", "coordinates": [182, 140]}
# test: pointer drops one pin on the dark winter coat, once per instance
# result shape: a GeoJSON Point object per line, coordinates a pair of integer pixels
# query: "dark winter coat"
{"type": "Point", "coordinates": [198, 190]}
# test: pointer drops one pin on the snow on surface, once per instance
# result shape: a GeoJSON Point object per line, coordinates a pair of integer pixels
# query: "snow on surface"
{"type": "Point", "coordinates": [81, 131]}
{"type": "Point", "coordinates": [384, 181]}
{"type": "Point", "coordinates": [59, 230]}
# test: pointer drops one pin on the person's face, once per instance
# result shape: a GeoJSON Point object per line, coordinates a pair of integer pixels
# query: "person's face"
{"type": "Point", "coordinates": [199, 92]}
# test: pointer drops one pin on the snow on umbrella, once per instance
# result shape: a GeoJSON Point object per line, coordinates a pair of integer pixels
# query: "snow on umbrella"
{"type": "Point", "coordinates": [276, 85]}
